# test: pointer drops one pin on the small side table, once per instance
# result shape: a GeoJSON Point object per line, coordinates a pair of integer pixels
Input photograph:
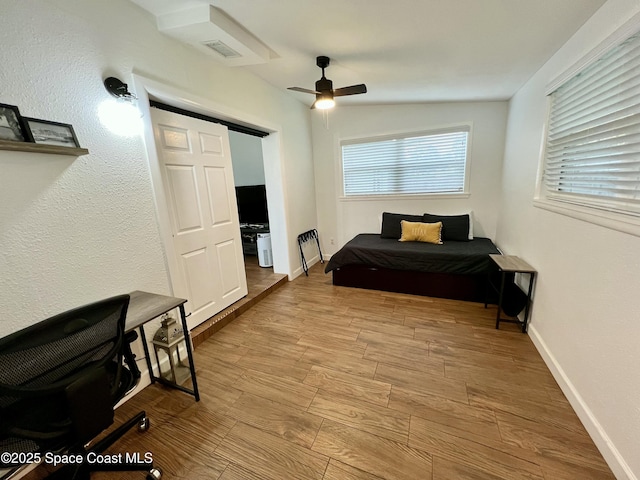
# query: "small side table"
{"type": "Point", "coordinates": [144, 307]}
{"type": "Point", "coordinates": [513, 264]}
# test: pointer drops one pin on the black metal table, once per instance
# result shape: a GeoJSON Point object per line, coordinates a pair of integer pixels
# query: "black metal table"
{"type": "Point", "coordinates": [513, 264]}
{"type": "Point", "coordinates": [144, 307]}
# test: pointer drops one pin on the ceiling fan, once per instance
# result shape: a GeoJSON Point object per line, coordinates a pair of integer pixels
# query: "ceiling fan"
{"type": "Point", "coordinates": [324, 91]}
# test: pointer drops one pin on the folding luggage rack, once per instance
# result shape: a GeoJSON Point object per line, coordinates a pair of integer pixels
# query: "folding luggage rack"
{"type": "Point", "coordinates": [307, 237]}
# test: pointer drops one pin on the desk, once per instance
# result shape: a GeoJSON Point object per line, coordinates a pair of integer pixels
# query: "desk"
{"type": "Point", "coordinates": [513, 264]}
{"type": "Point", "coordinates": [144, 307]}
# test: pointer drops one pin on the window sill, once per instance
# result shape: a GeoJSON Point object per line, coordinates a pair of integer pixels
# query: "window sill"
{"type": "Point", "coordinates": [615, 221]}
{"type": "Point", "coordinates": [430, 196]}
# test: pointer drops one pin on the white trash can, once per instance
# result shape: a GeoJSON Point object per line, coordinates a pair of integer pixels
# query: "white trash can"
{"type": "Point", "coordinates": [265, 258]}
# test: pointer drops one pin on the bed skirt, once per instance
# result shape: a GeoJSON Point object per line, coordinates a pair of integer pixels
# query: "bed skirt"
{"type": "Point", "coordinates": [471, 288]}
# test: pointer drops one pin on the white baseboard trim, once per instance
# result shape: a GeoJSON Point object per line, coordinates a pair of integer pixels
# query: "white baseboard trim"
{"type": "Point", "coordinates": [310, 263]}
{"type": "Point", "coordinates": [612, 456]}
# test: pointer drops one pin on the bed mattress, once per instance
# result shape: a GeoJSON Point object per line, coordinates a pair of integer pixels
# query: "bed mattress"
{"type": "Point", "coordinates": [368, 249]}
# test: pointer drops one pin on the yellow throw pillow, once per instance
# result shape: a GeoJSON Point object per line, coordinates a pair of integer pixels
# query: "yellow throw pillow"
{"type": "Point", "coordinates": [421, 232]}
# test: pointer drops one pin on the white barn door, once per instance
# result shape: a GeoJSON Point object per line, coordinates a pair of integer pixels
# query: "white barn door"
{"type": "Point", "coordinates": [195, 163]}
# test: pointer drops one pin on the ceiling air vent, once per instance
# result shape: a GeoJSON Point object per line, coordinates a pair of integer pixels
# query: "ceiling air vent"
{"type": "Point", "coordinates": [222, 48]}
{"type": "Point", "coordinates": [233, 46]}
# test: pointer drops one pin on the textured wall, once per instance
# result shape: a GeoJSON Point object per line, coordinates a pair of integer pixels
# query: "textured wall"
{"type": "Point", "coordinates": [76, 230]}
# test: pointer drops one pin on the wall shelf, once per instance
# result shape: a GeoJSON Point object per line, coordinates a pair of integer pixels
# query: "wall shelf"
{"type": "Point", "coordinates": [42, 148]}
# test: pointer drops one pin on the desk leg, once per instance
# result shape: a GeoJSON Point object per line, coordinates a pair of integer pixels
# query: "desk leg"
{"type": "Point", "coordinates": [146, 354]}
{"type": "Point", "coordinates": [502, 280]}
{"type": "Point", "coordinates": [192, 366]}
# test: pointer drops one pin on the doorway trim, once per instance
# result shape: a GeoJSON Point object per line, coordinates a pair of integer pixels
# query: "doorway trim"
{"type": "Point", "coordinates": [146, 89]}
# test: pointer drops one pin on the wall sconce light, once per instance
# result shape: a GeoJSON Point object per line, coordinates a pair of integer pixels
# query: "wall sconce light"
{"type": "Point", "coordinates": [120, 116]}
{"type": "Point", "coordinates": [118, 89]}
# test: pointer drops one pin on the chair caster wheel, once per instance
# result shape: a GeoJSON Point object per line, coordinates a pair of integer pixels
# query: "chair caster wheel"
{"type": "Point", "coordinates": [144, 424]}
{"type": "Point", "coordinates": [154, 474]}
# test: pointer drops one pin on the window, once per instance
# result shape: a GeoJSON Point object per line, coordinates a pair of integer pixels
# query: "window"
{"type": "Point", "coordinates": [426, 163]}
{"type": "Point", "coordinates": [593, 141]}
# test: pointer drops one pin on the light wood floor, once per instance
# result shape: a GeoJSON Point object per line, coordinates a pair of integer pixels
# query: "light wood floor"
{"type": "Point", "coordinates": [325, 382]}
{"type": "Point", "coordinates": [261, 282]}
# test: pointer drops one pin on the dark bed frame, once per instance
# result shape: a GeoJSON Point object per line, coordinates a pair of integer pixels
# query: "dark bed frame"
{"type": "Point", "coordinates": [471, 288]}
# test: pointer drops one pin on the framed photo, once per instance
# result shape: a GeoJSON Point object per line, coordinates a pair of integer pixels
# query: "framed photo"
{"type": "Point", "coordinates": [51, 133]}
{"type": "Point", "coordinates": [12, 126]}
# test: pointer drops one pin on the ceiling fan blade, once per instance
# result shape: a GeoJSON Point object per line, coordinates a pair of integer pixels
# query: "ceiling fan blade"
{"type": "Point", "coordinates": [303, 90]}
{"type": "Point", "coordinates": [352, 90]}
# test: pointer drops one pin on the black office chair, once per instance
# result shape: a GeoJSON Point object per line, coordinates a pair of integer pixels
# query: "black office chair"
{"type": "Point", "coordinates": [59, 382]}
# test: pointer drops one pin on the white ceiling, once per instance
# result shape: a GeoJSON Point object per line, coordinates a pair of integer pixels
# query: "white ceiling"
{"type": "Point", "coordinates": [403, 50]}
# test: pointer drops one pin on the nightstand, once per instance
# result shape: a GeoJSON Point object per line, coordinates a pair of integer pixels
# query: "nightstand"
{"type": "Point", "coordinates": [512, 264]}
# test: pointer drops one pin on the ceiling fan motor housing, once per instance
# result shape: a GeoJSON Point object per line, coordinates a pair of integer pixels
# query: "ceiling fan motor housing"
{"type": "Point", "coordinates": [324, 85]}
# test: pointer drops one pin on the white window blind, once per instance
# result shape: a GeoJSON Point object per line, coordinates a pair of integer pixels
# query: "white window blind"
{"type": "Point", "coordinates": [422, 164]}
{"type": "Point", "coordinates": [593, 143]}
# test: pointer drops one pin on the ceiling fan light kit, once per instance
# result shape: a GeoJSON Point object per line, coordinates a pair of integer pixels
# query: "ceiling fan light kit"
{"type": "Point", "coordinates": [324, 90]}
{"type": "Point", "coordinates": [324, 101]}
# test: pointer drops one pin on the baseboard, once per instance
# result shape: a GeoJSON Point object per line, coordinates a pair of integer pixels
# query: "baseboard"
{"type": "Point", "coordinates": [612, 456]}
{"type": "Point", "coordinates": [310, 263]}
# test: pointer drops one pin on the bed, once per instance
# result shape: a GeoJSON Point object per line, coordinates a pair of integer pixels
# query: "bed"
{"type": "Point", "coordinates": [458, 268]}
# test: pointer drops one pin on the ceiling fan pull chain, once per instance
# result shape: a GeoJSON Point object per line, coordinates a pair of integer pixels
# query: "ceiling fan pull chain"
{"type": "Point", "coordinates": [325, 114]}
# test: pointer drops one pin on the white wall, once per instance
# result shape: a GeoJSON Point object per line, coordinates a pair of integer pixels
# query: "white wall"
{"type": "Point", "coordinates": [76, 230]}
{"type": "Point", "coordinates": [341, 220]}
{"type": "Point", "coordinates": [586, 306]}
{"type": "Point", "coordinates": [246, 154]}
